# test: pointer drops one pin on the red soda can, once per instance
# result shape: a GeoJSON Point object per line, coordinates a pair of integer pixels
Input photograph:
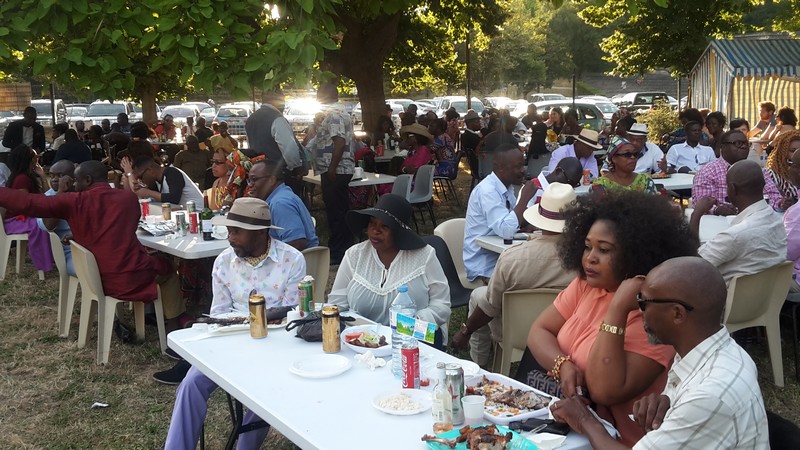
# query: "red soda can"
{"type": "Point", "coordinates": [145, 204]}
{"type": "Point", "coordinates": [194, 221]}
{"type": "Point", "coordinates": [409, 357]}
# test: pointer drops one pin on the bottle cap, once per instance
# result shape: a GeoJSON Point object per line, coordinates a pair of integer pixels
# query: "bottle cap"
{"type": "Point", "coordinates": [402, 288]}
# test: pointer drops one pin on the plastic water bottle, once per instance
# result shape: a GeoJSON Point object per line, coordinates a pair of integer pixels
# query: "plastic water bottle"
{"type": "Point", "coordinates": [402, 304]}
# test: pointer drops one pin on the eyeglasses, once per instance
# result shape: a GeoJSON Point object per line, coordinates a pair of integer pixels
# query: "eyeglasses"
{"type": "Point", "coordinates": [254, 180]}
{"type": "Point", "coordinates": [644, 301]}
{"type": "Point", "coordinates": [217, 163]}
{"type": "Point", "coordinates": [629, 155]}
{"type": "Point", "coordinates": [738, 144]}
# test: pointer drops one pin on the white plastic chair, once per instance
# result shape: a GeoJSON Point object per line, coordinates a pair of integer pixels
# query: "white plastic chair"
{"type": "Point", "coordinates": [92, 291]}
{"type": "Point", "coordinates": [422, 193]}
{"type": "Point", "coordinates": [402, 186]}
{"type": "Point", "coordinates": [755, 301]}
{"type": "Point", "coordinates": [5, 248]}
{"type": "Point", "coordinates": [520, 310]}
{"type": "Point", "coordinates": [67, 287]}
{"type": "Point", "coordinates": [452, 231]}
{"type": "Point", "coordinates": [318, 265]}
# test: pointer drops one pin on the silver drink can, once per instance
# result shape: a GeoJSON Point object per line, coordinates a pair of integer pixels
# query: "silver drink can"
{"type": "Point", "coordinates": [454, 383]}
{"type": "Point", "coordinates": [191, 206]}
{"type": "Point", "coordinates": [180, 223]}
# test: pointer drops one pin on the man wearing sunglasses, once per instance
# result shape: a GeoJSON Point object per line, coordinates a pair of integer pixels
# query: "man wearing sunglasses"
{"type": "Point", "coordinates": [711, 180]}
{"type": "Point", "coordinates": [712, 398]}
{"type": "Point", "coordinates": [652, 159]}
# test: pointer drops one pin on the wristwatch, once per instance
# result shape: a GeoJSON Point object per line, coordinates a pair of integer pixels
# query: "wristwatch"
{"type": "Point", "coordinates": [465, 329]}
{"type": "Point", "coordinates": [129, 174]}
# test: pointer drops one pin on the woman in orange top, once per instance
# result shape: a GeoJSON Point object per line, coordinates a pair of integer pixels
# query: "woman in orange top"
{"type": "Point", "coordinates": [593, 335]}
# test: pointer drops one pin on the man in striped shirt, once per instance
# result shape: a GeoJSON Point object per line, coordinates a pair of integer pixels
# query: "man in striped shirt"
{"type": "Point", "coordinates": [712, 398]}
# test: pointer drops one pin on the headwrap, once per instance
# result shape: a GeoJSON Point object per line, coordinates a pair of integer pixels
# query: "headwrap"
{"type": "Point", "coordinates": [614, 145]}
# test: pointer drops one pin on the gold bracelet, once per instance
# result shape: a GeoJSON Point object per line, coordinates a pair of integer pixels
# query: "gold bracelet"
{"type": "Point", "coordinates": [613, 329]}
{"type": "Point", "coordinates": [556, 371]}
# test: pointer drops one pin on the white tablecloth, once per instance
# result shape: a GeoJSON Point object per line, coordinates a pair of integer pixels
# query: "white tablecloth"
{"type": "Point", "coordinates": [676, 181]}
{"type": "Point", "coordinates": [191, 246]}
{"type": "Point", "coordinates": [370, 179]}
{"type": "Point", "coordinates": [332, 413]}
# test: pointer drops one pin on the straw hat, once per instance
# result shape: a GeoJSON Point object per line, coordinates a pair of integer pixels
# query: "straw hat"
{"type": "Point", "coordinates": [546, 215]}
{"type": "Point", "coordinates": [638, 129]}
{"type": "Point", "coordinates": [416, 129]}
{"type": "Point", "coordinates": [590, 138]}
{"type": "Point", "coordinates": [247, 213]}
{"type": "Point", "coordinates": [395, 212]}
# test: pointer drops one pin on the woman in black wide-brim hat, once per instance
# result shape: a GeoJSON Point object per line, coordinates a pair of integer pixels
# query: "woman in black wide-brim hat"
{"type": "Point", "coordinates": [393, 255]}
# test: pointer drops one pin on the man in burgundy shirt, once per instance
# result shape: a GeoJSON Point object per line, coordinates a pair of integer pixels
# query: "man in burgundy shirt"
{"type": "Point", "coordinates": [104, 220]}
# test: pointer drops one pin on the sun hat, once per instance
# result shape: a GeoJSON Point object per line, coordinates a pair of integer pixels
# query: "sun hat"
{"type": "Point", "coordinates": [546, 215]}
{"type": "Point", "coordinates": [471, 115]}
{"type": "Point", "coordinates": [590, 138]}
{"type": "Point", "coordinates": [416, 129]}
{"type": "Point", "coordinates": [395, 212]}
{"type": "Point", "coordinates": [247, 213]}
{"type": "Point", "coordinates": [638, 129]}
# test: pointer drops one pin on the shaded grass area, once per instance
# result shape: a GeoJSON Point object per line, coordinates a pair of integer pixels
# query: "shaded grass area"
{"type": "Point", "coordinates": [48, 385]}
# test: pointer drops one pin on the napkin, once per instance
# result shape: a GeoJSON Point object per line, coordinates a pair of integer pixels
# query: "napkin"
{"type": "Point", "coordinates": [547, 441]}
{"type": "Point", "coordinates": [219, 232]}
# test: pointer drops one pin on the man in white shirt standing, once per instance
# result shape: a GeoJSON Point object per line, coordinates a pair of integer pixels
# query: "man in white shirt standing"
{"type": "Point", "coordinates": [494, 211]}
{"type": "Point", "coordinates": [689, 155]}
{"type": "Point", "coordinates": [652, 159]}
{"type": "Point", "coordinates": [756, 239]}
{"type": "Point", "coordinates": [712, 398]}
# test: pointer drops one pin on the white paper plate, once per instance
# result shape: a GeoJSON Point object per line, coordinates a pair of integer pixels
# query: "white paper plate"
{"type": "Point", "coordinates": [382, 351]}
{"type": "Point", "coordinates": [320, 366]}
{"type": "Point", "coordinates": [423, 398]}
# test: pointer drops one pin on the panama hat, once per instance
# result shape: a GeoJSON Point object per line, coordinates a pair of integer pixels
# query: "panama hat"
{"type": "Point", "coordinates": [638, 129]}
{"type": "Point", "coordinates": [416, 129]}
{"type": "Point", "coordinates": [247, 213]}
{"type": "Point", "coordinates": [546, 215]}
{"type": "Point", "coordinates": [395, 212]}
{"type": "Point", "coordinates": [590, 138]}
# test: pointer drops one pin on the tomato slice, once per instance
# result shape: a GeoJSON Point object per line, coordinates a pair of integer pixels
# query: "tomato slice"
{"type": "Point", "coordinates": [352, 337]}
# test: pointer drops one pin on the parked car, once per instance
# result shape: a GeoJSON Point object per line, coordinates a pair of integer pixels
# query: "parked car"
{"type": "Point", "coordinates": [103, 109]}
{"type": "Point", "coordinates": [76, 113]}
{"type": "Point", "coordinates": [588, 113]}
{"type": "Point", "coordinates": [199, 105]}
{"type": "Point", "coordinates": [300, 112]}
{"type": "Point", "coordinates": [541, 97]}
{"type": "Point", "coordinates": [44, 111]}
{"type": "Point", "coordinates": [423, 107]}
{"type": "Point", "coordinates": [179, 113]}
{"type": "Point", "coordinates": [137, 114]}
{"type": "Point", "coordinates": [496, 102]}
{"type": "Point", "coordinates": [517, 108]}
{"type": "Point", "coordinates": [459, 102]}
{"type": "Point", "coordinates": [235, 115]}
{"type": "Point", "coordinates": [208, 113]}
{"type": "Point", "coordinates": [608, 109]}
{"type": "Point", "coordinates": [403, 101]}
{"type": "Point", "coordinates": [642, 101]}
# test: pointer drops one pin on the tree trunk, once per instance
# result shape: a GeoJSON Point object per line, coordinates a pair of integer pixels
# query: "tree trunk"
{"type": "Point", "coordinates": [364, 48]}
{"type": "Point", "coordinates": [147, 94]}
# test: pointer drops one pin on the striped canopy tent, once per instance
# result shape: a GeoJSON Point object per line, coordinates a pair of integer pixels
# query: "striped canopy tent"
{"type": "Point", "coordinates": [734, 76]}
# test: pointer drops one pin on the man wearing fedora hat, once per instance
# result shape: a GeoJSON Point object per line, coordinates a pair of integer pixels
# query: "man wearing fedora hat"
{"type": "Point", "coordinates": [653, 159]}
{"type": "Point", "coordinates": [533, 264]}
{"type": "Point", "coordinates": [254, 262]}
{"type": "Point", "coordinates": [583, 148]}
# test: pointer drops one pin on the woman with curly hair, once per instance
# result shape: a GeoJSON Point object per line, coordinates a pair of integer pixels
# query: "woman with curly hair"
{"type": "Point", "coordinates": [593, 332]}
{"type": "Point", "coordinates": [778, 166]}
{"type": "Point", "coordinates": [28, 176]}
{"type": "Point", "coordinates": [621, 161]}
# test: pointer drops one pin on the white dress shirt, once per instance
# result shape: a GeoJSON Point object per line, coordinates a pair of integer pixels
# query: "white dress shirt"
{"type": "Point", "coordinates": [588, 163]}
{"type": "Point", "coordinates": [366, 286]}
{"type": "Point", "coordinates": [715, 401]}
{"type": "Point", "coordinates": [651, 156]}
{"type": "Point", "coordinates": [490, 212]}
{"type": "Point", "coordinates": [756, 240]}
{"type": "Point", "coordinates": [276, 278]}
{"type": "Point", "coordinates": [684, 155]}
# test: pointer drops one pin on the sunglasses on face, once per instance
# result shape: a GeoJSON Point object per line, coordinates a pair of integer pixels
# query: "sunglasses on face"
{"type": "Point", "coordinates": [644, 301]}
{"type": "Point", "coordinates": [629, 155]}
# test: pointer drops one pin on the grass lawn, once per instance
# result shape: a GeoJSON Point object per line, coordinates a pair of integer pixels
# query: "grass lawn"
{"type": "Point", "coordinates": [49, 385]}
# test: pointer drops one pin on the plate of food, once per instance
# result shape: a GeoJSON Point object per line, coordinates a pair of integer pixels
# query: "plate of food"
{"type": "Point", "coordinates": [493, 437]}
{"type": "Point", "coordinates": [403, 402]}
{"type": "Point", "coordinates": [231, 322]}
{"type": "Point", "coordinates": [508, 400]}
{"type": "Point", "coordinates": [376, 338]}
{"type": "Point", "coordinates": [660, 176]}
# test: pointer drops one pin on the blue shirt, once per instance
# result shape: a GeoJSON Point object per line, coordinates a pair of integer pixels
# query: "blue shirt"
{"type": "Point", "coordinates": [290, 213]}
{"type": "Point", "coordinates": [490, 212]}
{"type": "Point", "coordinates": [62, 229]}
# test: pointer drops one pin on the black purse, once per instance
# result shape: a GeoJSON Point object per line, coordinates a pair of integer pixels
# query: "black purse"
{"type": "Point", "coordinates": [545, 383]}
{"type": "Point", "coordinates": [309, 328]}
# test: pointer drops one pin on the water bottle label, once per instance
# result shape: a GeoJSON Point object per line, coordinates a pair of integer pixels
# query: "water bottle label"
{"type": "Point", "coordinates": [393, 319]}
